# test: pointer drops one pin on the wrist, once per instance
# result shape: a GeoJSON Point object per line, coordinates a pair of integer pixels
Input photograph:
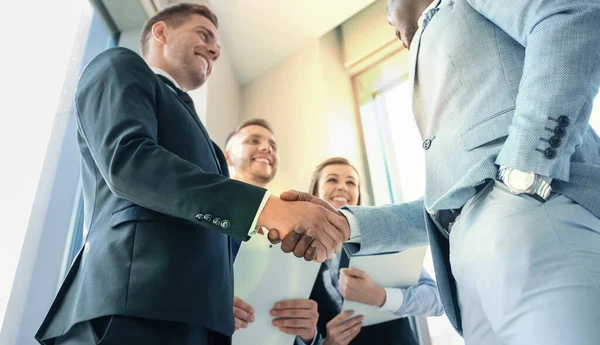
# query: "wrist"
{"type": "Point", "coordinates": [381, 297]}
{"type": "Point", "coordinates": [311, 337]}
{"type": "Point", "coordinates": [269, 213]}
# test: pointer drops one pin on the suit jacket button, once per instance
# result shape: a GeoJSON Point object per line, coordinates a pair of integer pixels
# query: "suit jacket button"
{"type": "Point", "coordinates": [564, 121]}
{"type": "Point", "coordinates": [217, 221]}
{"type": "Point", "coordinates": [554, 141]}
{"type": "Point", "coordinates": [199, 216]}
{"type": "Point", "coordinates": [550, 153]}
{"type": "Point", "coordinates": [225, 224]}
{"type": "Point", "coordinates": [208, 217]}
{"type": "Point", "coordinates": [560, 131]}
{"type": "Point", "coordinates": [427, 144]}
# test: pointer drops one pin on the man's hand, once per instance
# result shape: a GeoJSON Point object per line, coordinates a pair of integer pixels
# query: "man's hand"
{"type": "Point", "coordinates": [306, 221]}
{"type": "Point", "coordinates": [243, 313]}
{"type": "Point", "coordinates": [303, 241]}
{"type": "Point", "coordinates": [358, 286]}
{"type": "Point", "coordinates": [340, 332]}
{"type": "Point", "coordinates": [298, 317]}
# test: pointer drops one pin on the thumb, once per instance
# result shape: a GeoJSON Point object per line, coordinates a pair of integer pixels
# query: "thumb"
{"type": "Point", "coordinates": [294, 195]}
{"type": "Point", "coordinates": [273, 236]}
{"type": "Point", "coordinates": [354, 272]}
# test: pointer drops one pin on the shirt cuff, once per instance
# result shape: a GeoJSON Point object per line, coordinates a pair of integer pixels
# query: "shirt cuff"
{"type": "Point", "coordinates": [354, 227]}
{"type": "Point", "coordinates": [315, 341]}
{"type": "Point", "coordinates": [393, 299]}
{"type": "Point", "coordinates": [254, 228]}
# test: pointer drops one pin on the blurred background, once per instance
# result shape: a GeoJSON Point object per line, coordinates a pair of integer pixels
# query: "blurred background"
{"type": "Point", "coordinates": [329, 75]}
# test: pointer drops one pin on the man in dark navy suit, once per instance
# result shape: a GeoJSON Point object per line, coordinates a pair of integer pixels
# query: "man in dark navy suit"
{"type": "Point", "coordinates": [156, 266]}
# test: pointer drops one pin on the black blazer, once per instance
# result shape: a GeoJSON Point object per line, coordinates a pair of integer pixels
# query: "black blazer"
{"type": "Point", "coordinates": [158, 206]}
{"type": "Point", "coordinates": [395, 332]}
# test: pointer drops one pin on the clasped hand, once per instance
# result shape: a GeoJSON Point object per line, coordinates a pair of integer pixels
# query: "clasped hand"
{"type": "Point", "coordinates": [305, 225]}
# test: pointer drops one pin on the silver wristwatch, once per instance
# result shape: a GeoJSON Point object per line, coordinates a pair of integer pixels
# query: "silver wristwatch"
{"type": "Point", "coordinates": [520, 182]}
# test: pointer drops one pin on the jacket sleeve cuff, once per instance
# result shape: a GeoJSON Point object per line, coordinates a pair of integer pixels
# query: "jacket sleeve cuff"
{"type": "Point", "coordinates": [254, 228]}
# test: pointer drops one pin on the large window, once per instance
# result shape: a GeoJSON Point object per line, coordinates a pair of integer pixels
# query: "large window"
{"type": "Point", "coordinates": [396, 159]}
{"type": "Point", "coordinates": [99, 39]}
{"type": "Point", "coordinates": [52, 43]}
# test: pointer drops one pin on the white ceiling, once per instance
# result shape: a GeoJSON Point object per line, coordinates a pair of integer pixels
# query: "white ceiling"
{"type": "Point", "coordinates": [257, 34]}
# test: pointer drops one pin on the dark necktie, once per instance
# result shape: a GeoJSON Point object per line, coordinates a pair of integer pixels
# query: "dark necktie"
{"type": "Point", "coordinates": [344, 260]}
{"type": "Point", "coordinates": [182, 94]}
{"type": "Point", "coordinates": [190, 103]}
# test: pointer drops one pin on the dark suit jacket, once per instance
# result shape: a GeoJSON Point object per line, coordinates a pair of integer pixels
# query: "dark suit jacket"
{"type": "Point", "coordinates": [395, 332]}
{"type": "Point", "coordinates": [158, 206]}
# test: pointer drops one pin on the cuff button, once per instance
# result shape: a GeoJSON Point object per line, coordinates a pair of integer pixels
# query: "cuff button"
{"type": "Point", "coordinates": [550, 153]}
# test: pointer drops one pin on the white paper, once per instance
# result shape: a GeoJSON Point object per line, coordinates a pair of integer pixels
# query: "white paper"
{"type": "Point", "coordinates": [264, 275]}
{"type": "Point", "coordinates": [399, 270]}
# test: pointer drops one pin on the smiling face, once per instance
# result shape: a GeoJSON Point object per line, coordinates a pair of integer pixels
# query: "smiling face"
{"type": "Point", "coordinates": [187, 51]}
{"type": "Point", "coordinates": [252, 154]}
{"type": "Point", "coordinates": [338, 185]}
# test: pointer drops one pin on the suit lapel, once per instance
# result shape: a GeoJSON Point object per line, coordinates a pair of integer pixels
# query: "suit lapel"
{"type": "Point", "coordinates": [413, 58]}
{"type": "Point", "coordinates": [194, 115]}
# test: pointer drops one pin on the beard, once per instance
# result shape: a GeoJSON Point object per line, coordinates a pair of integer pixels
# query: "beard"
{"type": "Point", "coordinates": [195, 78]}
{"type": "Point", "coordinates": [263, 177]}
{"type": "Point", "coordinates": [409, 33]}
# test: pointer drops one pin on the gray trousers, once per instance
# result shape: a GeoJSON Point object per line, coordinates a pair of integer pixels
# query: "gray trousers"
{"type": "Point", "coordinates": [527, 272]}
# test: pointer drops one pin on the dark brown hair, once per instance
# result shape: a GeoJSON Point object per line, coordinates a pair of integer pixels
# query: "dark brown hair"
{"type": "Point", "coordinates": [175, 16]}
{"type": "Point", "coordinates": [314, 181]}
{"type": "Point", "coordinates": [251, 122]}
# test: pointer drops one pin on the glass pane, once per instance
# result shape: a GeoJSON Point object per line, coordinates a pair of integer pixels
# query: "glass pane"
{"type": "Point", "coordinates": [410, 156]}
{"type": "Point", "coordinates": [379, 178]}
{"type": "Point", "coordinates": [397, 165]}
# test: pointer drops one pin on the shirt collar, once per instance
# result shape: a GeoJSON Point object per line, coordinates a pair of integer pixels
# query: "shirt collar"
{"type": "Point", "coordinates": [159, 71]}
{"type": "Point", "coordinates": [433, 4]}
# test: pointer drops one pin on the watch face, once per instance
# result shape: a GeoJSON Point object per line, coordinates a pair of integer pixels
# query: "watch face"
{"type": "Point", "coordinates": [520, 181]}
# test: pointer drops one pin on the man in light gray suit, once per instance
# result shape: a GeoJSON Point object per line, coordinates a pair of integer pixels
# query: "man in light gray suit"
{"type": "Point", "coordinates": [502, 96]}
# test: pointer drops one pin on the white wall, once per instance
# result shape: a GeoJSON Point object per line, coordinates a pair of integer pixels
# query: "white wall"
{"type": "Point", "coordinates": [224, 96]}
{"type": "Point", "coordinates": [308, 98]}
{"type": "Point", "coordinates": [130, 39]}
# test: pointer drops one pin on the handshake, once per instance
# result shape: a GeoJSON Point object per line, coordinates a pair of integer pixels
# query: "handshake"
{"type": "Point", "coordinates": [305, 225]}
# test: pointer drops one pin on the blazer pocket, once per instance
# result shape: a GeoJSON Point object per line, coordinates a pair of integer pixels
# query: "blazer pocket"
{"type": "Point", "coordinates": [487, 130]}
{"type": "Point", "coordinates": [138, 214]}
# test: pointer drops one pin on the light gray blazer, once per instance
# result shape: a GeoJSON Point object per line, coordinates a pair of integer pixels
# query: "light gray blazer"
{"type": "Point", "coordinates": [494, 82]}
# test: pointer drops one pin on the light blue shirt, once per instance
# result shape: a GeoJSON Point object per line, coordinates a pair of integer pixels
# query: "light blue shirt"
{"type": "Point", "coordinates": [419, 300]}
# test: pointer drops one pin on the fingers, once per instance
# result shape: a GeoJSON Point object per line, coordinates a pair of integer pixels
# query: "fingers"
{"type": "Point", "coordinates": [294, 195]}
{"type": "Point", "coordinates": [239, 324]}
{"type": "Point", "coordinates": [342, 329]}
{"type": "Point", "coordinates": [273, 236]}
{"type": "Point", "coordinates": [311, 253]}
{"type": "Point", "coordinates": [297, 316]}
{"type": "Point", "coordinates": [298, 241]}
{"type": "Point", "coordinates": [294, 323]}
{"type": "Point", "coordinates": [321, 252]}
{"type": "Point", "coordinates": [340, 318]}
{"type": "Point", "coordinates": [330, 238]}
{"type": "Point", "coordinates": [290, 241]}
{"type": "Point", "coordinates": [339, 221]}
{"type": "Point", "coordinates": [347, 335]}
{"type": "Point", "coordinates": [241, 304]}
{"type": "Point", "coordinates": [301, 303]}
{"type": "Point", "coordinates": [243, 313]}
{"type": "Point", "coordinates": [353, 272]}
{"type": "Point", "coordinates": [305, 242]}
